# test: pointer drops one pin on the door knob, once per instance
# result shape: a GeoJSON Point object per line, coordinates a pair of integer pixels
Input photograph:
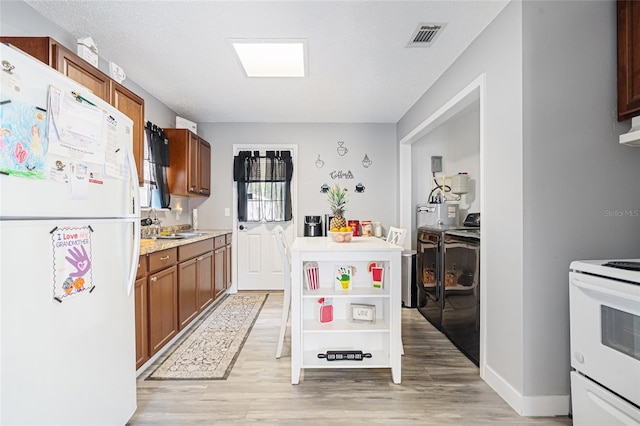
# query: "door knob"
{"type": "Point", "coordinates": [241, 227]}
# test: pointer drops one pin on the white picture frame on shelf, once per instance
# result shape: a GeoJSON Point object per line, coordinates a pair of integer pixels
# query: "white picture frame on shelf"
{"type": "Point", "coordinates": [361, 312]}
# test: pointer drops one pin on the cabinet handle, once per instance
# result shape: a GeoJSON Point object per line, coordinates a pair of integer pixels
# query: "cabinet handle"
{"type": "Point", "coordinates": [200, 258]}
{"type": "Point", "coordinates": [163, 258]}
{"type": "Point", "coordinates": [153, 279]}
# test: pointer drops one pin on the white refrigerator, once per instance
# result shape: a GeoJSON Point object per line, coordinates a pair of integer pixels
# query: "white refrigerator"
{"type": "Point", "coordinates": [69, 246]}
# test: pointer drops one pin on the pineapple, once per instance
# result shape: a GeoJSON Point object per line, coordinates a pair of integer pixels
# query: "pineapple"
{"type": "Point", "coordinates": [337, 204]}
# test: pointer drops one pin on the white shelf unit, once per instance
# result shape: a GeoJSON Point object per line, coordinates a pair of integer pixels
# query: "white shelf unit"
{"type": "Point", "coordinates": [380, 338]}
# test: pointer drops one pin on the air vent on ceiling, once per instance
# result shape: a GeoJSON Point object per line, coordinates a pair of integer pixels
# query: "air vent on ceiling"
{"type": "Point", "coordinates": [425, 35]}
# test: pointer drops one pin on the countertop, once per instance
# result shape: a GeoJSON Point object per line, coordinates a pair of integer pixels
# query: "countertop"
{"type": "Point", "coordinates": [356, 244]}
{"type": "Point", "coordinates": [152, 245]}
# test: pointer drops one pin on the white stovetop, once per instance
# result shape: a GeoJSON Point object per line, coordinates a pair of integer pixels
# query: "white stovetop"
{"type": "Point", "coordinates": [595, 267]}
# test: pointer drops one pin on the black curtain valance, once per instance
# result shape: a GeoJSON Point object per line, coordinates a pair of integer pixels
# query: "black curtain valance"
{"type": "Point", "coordinates": [274, 166]}
{"type": "Point", "coordinates": [264, 185]}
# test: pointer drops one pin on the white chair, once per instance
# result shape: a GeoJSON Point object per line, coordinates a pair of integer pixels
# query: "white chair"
{"type": "Point", "coordinates": [281, 242]}
{"type": "Point", "coordinates": [396, 235]}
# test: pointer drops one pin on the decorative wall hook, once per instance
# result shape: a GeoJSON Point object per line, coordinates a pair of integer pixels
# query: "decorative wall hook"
{"type": "Point", "coordinates": [342, 150]}
{"type": "Point", "coordinates": [366, 162]}
{"type": "Point", "coordinates": [319, 162]}
{"type": "Point", "coordinates": [324, 188]}
{"type": "Point", "coordinates": [359, 188]}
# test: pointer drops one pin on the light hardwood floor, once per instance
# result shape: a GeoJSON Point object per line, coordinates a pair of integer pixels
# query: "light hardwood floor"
{"type": "Point", "coordinates": [440, 386]}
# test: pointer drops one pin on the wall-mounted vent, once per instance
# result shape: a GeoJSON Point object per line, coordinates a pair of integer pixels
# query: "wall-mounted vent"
{"type": "Point", "coordinates": [425, 35]}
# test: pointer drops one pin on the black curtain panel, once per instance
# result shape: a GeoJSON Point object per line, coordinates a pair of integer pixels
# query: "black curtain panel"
{"type": "Point", "coordinates": [264, 185]}
{"type": "Point", "coordinates": [159, 159]}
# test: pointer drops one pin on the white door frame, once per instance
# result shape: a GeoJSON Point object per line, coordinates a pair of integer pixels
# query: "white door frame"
{"type": "Point", "coordinates": [294, 196]}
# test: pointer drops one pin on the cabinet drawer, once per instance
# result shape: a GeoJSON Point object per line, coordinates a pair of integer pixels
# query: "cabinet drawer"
{"type": "Point", "coordinates": [162, 259]}
{"type": "Point", "coordinates": [194, 249]}
{"type": "Point", "coordinates": [229, 238]}
{"type": "Point", "coordinates": [219, 242]}
{"type": "Point", "coordinates": [142, 266]}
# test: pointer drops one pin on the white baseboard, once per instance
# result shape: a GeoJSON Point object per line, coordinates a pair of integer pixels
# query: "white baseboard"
{"type": "Point", "coordinates": [528, 406]}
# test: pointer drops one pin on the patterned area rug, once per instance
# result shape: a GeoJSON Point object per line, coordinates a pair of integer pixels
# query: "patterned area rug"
{"type": "Point", "coordinates": [210, 351]}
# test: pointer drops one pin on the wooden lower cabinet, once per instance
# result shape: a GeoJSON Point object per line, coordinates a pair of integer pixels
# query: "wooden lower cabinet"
{"type": "Point", "coordinates": [163, 307]}
{"type": "Point", "coordinates": [218, 271]}
{"type": "Point", "coordinates": [187, 292]}
{"type": "Point", "coordinates": [142, 325]}
{"type": "Point", "coordinates": [205, 280]}
{"type": "Point", "coordinates": [180, 284]}
{"type": "Point", "coordinates": [227, 261]}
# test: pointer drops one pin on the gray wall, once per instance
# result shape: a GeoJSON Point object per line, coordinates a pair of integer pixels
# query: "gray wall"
{"type": "Point", "coordinates": [458, 142]}
{"type": "Point", "coordinates": [575, 171]}
{"type": "Point", "coordinates": [496, 53]}
{"type": "Point", "coordinates": [376, 140]}
{"type": "Point", "coordinates": [556, 180]}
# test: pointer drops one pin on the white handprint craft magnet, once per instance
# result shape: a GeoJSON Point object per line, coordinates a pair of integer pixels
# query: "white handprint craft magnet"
{"type": "Point", "coordinates": [72, 272]}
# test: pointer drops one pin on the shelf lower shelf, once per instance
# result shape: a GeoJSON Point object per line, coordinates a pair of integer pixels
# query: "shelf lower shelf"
{"type": "Point", "coordinates": [355, 292]}
{"type": "Point", "coordinates": [345, 326]}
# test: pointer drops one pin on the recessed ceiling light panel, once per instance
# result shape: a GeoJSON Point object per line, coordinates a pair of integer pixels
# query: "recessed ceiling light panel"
{"type": "Point", "coordinates": [272, 57]}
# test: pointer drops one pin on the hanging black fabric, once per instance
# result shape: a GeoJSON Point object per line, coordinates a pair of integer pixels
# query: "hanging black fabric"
{"type": "Point", "coordinates": [264, 186]}
{"type": "Point", "coordinates": [159, 159]}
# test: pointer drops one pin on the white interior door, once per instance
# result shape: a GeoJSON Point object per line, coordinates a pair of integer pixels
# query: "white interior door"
{"type": "Point", "coordinates": [258, 262]}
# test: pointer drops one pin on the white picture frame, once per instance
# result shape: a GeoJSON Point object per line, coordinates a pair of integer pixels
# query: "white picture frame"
{"type": "Point", "coordinates": [361, 312]}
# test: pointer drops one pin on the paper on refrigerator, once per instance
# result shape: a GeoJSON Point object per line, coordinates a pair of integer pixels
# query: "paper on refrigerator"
{"type": "Point", "coordinates": [84, 139]}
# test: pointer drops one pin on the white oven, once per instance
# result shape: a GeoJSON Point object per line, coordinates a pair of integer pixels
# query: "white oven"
{"type": "Point", "coordinates": [605, 342]}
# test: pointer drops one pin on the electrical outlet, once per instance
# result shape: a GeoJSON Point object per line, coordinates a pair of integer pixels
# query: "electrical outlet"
{"type": "Point", "coordinates": [227, 211]}
{"type": "Point", "coordinates": [436, 164]}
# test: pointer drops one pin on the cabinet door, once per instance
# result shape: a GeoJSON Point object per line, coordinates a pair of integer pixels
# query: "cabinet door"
{"type": "Point", "coordinates": [76, 68]}
{"type": "Point", "coordinates": [142, 331]}
{"type": "Point", "coordinates": [628, 59]}
{"type": "Point", "coordinates": [187, 292]}
{"type": "Point", "coordinates": [227, 266]}
{"type": "Point", "coordinates": [40, 48]}
{"type": "Point", "coordinates": [163, 308]}
{"type": "Point", "coordinates": [132, 106]}
{"type": "Point", "coordinates": [193, 178]}
{"type": "Point", "coordinates": [204, 169]}
{"type": "Point", "coordinates": [218, 271]}
{"type": "Point", "coordinates": [205, 280]}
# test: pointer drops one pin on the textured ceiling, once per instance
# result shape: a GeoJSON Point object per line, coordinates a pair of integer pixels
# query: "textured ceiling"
{"type": "Point", "coordinates": [359, 68]}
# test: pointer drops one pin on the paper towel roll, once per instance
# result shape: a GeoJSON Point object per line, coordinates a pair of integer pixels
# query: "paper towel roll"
{"type": "Point", "coordinates": [194, 219]}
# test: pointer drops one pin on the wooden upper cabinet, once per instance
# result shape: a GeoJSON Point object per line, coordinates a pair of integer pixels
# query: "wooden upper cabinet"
{"type": "Point", "coordinates": [77, 69]}
{"type": "Point", "coordinates": [628, 59]}
{"type": "Point", "coordinates": [132, 106]}
{"type": "Point", "coordinates": [189, 172]}
{"type": "Point", "coordinates": [204, 171]}
{"type": "Point", "coordinates": [41, 48]}
{"type": "Point", "coordinates": [52, 53]}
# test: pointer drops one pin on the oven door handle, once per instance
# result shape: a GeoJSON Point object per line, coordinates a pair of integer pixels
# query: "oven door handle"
{"type": "Point", "coordinates": [603, 290]}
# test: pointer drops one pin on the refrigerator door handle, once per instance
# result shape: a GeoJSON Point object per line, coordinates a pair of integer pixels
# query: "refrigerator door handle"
{"type": "Point", "coordinates": [135, 198]}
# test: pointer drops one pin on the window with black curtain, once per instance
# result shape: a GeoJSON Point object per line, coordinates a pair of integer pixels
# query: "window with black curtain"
{"type": "Point", "coordinates": [264, 186]}
{"type": "Point", "coordinates": [156, 163]}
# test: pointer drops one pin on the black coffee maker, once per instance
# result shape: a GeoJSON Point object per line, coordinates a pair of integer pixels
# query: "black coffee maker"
{"type": "Point", "coordinates": [313, 226]}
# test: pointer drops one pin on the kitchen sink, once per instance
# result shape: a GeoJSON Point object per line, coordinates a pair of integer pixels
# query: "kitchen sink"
{"type": "Point", "coordinates": [189, 234]}
{"type": "Point", "coordinates": [170, 237]}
